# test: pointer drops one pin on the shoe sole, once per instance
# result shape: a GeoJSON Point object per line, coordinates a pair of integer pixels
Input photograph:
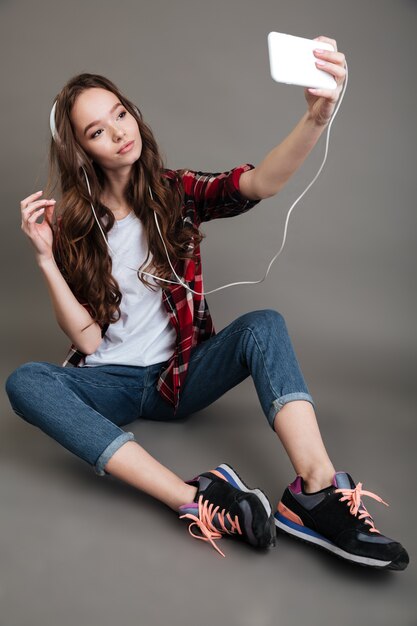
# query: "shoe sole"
{"type": "Point", "coordinates": [311, 537]}
{"type": "Point", "coordinates": [235, 480]}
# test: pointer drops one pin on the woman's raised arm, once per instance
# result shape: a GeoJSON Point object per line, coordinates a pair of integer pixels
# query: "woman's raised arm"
{"type": "Point", "coordinates": [73, 319]}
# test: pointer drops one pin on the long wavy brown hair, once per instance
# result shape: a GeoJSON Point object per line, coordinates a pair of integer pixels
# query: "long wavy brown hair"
{"type": "Point", "coordinates": [80, 250]}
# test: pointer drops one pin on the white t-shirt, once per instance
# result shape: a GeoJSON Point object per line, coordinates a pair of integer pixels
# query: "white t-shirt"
{"type": "Point", "coordinates": [144, 334]}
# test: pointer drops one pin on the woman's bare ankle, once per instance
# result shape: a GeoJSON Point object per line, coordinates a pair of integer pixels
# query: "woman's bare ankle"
{"type": "Point", "coordinates": [317, 479]}
{"type": "Point", "coordinates": [134, 465]}
{"type": "Point", "coordinates": [186, 496]}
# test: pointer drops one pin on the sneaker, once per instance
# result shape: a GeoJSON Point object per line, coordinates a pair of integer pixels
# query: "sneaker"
{"type": "Point", "coordinates": [335, 518]}
{"type": "Point", "coordinates": [224, 505]}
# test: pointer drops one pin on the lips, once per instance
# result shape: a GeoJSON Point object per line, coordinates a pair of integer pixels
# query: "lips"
{"type": "Point", "coordinates": [126, 147]}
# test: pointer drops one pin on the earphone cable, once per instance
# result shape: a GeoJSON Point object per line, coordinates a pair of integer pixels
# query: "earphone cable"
{"type": "Point", "coordinates": [248, 282]}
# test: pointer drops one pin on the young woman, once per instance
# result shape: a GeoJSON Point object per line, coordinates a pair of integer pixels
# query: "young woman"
{"type": "Point", "coordinates": [144, 344]}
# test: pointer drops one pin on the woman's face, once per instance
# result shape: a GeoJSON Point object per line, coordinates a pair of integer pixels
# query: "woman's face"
{"type": "Point", "coordinates": [103, 126]}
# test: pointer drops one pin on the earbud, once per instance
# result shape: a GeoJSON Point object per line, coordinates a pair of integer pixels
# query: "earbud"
{"type": "Point", "coordinates": [52, 122]}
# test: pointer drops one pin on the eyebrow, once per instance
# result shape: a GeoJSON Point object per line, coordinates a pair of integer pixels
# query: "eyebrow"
{"type": "Point", "coordinates": [98, 121]}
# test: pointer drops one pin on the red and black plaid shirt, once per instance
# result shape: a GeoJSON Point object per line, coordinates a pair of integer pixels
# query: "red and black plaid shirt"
{"type": "Point", "coordinates": [207, 196]}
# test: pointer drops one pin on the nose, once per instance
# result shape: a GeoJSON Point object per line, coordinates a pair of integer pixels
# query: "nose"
{"type": "Point", "coordinates": [118, 131]}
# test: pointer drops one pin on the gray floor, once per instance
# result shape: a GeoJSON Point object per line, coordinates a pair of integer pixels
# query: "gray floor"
{"type": "Point", "coordinates": [78, 549]}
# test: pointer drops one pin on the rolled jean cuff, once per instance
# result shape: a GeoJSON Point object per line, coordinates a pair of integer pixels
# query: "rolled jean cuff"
{"type": "Point", "coordinates": [110, 450]}
{"type": "Point", "coordinates": [279, 403]}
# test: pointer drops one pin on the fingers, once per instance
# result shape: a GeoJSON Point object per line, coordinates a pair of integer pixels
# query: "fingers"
{"type": "Point", "coordinates": [338, 71]}
{"type": "Point", "coordinates": [38, 205]}
{"type": "Point", "coordinates": [30, 198]}
{"type": "Point", "coordinates": [332, 57]}
{"type": "Point", "coordinates": [32, 209]}
{"type": "Point", "coordinates": [324, 93]}
{"type": "Point", "coordinates": [331, 62]}
{"type": "Point", "coordinates": [328, 40]}
{"type": "Point", "coordinates": [328, 55]}
{"type": "Point", "coordinates": [35, 203]}
{"type": "Point", "coordinates": [35, 214]}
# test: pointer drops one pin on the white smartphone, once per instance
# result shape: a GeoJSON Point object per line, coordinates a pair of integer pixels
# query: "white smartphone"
{"type": "Point", "coordinates": [292, 61]}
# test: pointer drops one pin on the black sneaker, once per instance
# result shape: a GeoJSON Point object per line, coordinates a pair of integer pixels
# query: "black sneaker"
{"type": "Point", "coordinates": [224, 505]}
{"type": "Point", "coordinates": [335, 518]}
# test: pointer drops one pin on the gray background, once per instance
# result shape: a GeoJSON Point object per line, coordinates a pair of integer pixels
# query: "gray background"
{"type": "Point", "coordinates": [76, 549]}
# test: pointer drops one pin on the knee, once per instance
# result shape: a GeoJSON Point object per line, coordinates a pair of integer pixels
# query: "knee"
{"type": "Point", "coordinates": [21, 379]}
{"type": "Point", "coordinates": [270, 320]}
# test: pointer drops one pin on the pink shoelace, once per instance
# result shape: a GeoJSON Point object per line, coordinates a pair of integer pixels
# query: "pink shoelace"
{"type": "Point", "coordinates": [204, 521]}
{"type": "Point", "coordinates": [353, 498]}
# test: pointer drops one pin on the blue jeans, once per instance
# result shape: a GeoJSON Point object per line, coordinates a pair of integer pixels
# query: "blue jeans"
{"type": "Point", "coordinates": [85, 408]}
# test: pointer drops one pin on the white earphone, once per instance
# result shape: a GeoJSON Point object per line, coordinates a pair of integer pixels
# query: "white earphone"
{"type": "Point", "coordinates": [248, 282]}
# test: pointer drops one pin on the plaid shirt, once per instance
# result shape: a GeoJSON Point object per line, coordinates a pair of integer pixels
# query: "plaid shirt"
{"type": "Point", "coordinates": [207, 196]}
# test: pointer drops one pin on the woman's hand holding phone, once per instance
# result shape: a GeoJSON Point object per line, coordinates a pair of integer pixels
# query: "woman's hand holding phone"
{"type": "Point", "coordinates": [322, 102]}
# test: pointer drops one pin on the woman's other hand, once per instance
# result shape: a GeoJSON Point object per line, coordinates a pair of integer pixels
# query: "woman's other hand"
{"type": "Point", "coordinates": [40, 235]}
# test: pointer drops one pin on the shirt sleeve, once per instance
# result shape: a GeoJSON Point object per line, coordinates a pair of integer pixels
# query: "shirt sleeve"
{"type": "Point", "coordinates": [216, 195]}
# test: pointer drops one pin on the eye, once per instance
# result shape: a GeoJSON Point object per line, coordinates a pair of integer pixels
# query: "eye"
{"type": "Point", "coordinates": [94, 135]}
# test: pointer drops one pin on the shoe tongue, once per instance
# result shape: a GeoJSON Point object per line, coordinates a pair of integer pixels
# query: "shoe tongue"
{"type": "Point", "coordinates": [343, 480]}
